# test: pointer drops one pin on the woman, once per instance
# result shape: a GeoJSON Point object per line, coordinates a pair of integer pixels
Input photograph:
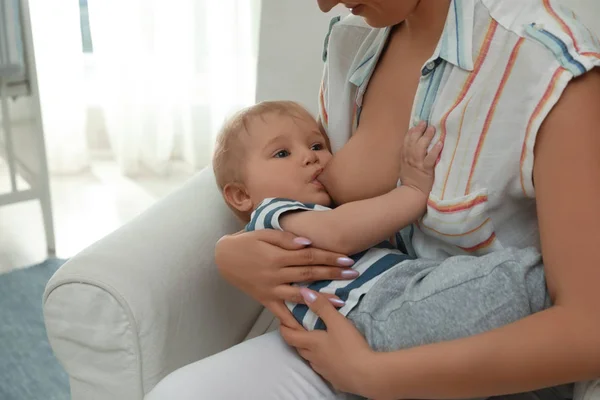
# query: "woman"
{"type": "Point", "coordinates": [511, 88]}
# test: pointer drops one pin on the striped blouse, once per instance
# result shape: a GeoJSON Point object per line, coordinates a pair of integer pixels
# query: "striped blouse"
{"type": "Point", "coordinates": [497, 71]}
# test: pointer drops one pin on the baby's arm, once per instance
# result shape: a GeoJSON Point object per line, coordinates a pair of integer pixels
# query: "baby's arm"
{"type": "Point", "coordinates": [359, 225]}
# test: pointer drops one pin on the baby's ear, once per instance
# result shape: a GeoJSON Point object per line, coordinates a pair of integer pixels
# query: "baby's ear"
{"type": "Point", "coordinates": [236, 195]}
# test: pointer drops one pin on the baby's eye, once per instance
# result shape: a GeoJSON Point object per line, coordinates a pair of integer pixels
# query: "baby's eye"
{"type": "Point", "coordinates": [317, 147]}
{"type": "Point", "coordinates": [282, 154]}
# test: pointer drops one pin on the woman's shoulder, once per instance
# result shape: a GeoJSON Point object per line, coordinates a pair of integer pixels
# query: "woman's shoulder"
{"type": "Point", "coordinates": [551, 27]}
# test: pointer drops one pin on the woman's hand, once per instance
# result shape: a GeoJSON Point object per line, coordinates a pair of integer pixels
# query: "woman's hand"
{"type": "Point", "coordinates": [264, 263]}
{"type": "Point", "coordinates": [417, 164]}
{"type": "Point", "coordinates": [340, 355]}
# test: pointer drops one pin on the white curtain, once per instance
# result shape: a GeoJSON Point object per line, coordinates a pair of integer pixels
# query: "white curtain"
{"type": "Point", "coordinates": [60, 73]}
{"type": "Point", "coordinates": [170, 72]}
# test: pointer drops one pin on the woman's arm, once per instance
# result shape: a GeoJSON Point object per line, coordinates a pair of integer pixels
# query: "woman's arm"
{"type": "Point", "coordinates": [561, 344]}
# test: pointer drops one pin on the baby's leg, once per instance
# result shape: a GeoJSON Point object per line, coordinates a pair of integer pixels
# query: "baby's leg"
{"type": "Point", "coordinates": [421, 301]}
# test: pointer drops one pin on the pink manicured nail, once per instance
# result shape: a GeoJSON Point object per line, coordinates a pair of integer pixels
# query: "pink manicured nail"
{"type": "Point", "coordinates": [345, 261]}
{"type": "Point", "coordinates": [308, 295]}
{"type": "Point", "coordinates": [349, 274]}
{"type": "Point", "coordinates": [302, 241]}
{"type": "Point", "coordinates": [337, 302]}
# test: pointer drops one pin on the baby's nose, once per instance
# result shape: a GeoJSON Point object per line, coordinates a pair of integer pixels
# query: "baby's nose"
{"type": "Point", "coordinates": [311, 158]}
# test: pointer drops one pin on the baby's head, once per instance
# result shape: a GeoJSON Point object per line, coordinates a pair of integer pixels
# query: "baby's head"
{"type": "Point", "coordinates": [272, 149]}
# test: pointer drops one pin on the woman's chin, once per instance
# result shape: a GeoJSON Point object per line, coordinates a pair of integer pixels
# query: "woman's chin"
{"type": "Point", "coordinates": [375, 19]}
{"type": "Point", "coordinates": [377, 22]}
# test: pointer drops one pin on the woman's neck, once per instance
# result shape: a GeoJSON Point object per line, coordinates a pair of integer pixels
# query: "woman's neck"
{"type": "Point", "coordinates": [424, 26]}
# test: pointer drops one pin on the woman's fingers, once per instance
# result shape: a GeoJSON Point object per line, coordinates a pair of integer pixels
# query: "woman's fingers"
{"type": "Point", "coordinates": [300, 339]}
{"type": "Point", "coordinates": [293, 295]}
{"type": "Point", "coordinates": [333, 299]}
{"type": "Point", "coordinates": [296, 250]}
{"type": "Point", "coordinates": [284, 240]}
{"type": "Point", "coordinates": [283, 314]}
{"type": "Point", "coordinates": [310, 273]}
{"type": "Point", "coordinates": [304, 353]}
{"type": "Point", "coordinates": [320, 306]}
{"type": "Point", "coordinates": [314, 256]}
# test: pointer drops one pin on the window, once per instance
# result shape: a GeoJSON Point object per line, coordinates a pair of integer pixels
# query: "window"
{"type": "Point", "coordinates": [86, 35]}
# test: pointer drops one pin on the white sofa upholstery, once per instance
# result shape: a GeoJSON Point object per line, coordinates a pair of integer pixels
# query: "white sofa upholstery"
{"type": "Point", "coordinates": [125, 312]}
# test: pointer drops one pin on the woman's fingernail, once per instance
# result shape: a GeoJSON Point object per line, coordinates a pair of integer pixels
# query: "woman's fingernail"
{"type": "Point", "coordinates": [349, 274]}
{"type": "Point", "coordinates": [337, 302]}
{"type": "Point", "coordinates": [345, 261]}
{"type": "Point", "coordinates": [302, 241]}
{"type": "Point", "coordinates": [308, 295]}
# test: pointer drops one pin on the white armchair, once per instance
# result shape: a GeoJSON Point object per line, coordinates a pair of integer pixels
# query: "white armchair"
{"type": "Point", "coordinates": [124, 313]}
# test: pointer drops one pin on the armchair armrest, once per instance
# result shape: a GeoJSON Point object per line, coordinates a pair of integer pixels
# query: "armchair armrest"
{"type": "Point", "coordinates": [147, 299]}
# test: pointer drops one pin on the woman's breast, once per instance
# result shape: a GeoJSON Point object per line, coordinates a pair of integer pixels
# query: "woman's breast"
{"type": "Point", "coordinates": [367, 166]}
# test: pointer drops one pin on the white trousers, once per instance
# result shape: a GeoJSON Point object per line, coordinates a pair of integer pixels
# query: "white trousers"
{"type": "Point", "coordinates": [264, 368]}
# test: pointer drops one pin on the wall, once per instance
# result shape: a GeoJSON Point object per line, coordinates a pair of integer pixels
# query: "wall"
{"type": "Point", "coordinates": [290, 62]}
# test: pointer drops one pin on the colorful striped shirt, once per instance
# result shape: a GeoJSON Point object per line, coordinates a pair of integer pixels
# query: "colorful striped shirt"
{"type": "Point", "coordinates": [372, 263]}
{"type": "Point", "coordinates": [497, 71]}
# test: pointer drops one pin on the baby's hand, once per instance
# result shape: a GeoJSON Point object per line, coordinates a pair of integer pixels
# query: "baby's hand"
{"type": "Point", "coordinates": [417, 165]}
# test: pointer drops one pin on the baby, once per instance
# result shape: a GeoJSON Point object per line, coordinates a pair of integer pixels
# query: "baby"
{"type": "Point", "coordinates": [267, 164]}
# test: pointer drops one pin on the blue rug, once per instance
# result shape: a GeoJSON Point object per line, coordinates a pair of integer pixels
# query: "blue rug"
{"type": "Point", "coordinates": [28, 369]}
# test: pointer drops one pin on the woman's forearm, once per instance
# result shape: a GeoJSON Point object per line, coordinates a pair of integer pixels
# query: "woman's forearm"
{"type": "Point", "coordinates": [556, 346]}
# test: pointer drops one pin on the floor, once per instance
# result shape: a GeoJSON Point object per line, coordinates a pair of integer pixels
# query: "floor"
{"type": "Point", "coordinates": [86, 207]}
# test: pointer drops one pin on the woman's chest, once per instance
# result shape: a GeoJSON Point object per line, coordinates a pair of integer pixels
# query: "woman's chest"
{"type": "Point", "coordinates": [381, 117]}
{"type": "Point", "coordinates": [385, 102]}
{"type": "Point", "coordinates": [488, 125]}
{"type": "Point", "coordinates": [484, 128]}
